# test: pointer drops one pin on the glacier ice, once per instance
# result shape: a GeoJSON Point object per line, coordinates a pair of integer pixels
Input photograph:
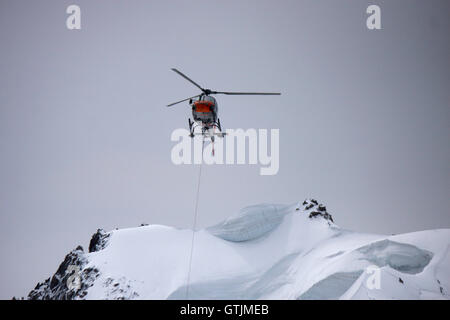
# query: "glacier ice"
{"type": "Point", "coordinates": [399, 256]}
{"type": "Point", "coordinates": [250, 223]}
{"type": "Point", "coordinates": [332, 287]}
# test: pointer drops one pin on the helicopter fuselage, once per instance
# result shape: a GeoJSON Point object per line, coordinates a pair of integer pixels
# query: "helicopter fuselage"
{"type": "Point", "coordinates": [204, 111]}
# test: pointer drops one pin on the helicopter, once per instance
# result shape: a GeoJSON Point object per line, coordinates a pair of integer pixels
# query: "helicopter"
{"type": "Point", "coordinates": [205, 110]}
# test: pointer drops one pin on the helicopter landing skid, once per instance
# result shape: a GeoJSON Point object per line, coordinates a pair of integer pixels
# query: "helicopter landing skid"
{"type": "Point", "coordinates": [219, 134]}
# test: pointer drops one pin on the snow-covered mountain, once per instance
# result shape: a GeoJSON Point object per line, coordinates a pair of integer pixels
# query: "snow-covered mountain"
{"type": "Point", "coordinates": [265, 251]}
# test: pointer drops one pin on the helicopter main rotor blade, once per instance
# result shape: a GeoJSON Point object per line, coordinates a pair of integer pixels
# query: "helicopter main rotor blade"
{"type": "Point", "coordinates": [169, 105]}
{"type": "Point", "coordinates": [188, 79]}
{"type": "Point", "coordinates": [248, 93]}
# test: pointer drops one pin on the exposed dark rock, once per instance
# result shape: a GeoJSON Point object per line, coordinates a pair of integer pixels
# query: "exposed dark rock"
{"type": "Point", "coordinates": [325, 215]}
{"type": "Point", "coordinates": [314, 214]}
{"type": "Point", "coordinates": [70, 280]}
{"type": "Point", "coordinates": [440, 287]}
{"type": "Point", "coordinates": [316, 209]}
{"type": "Point", "coordinates": [99, 240]}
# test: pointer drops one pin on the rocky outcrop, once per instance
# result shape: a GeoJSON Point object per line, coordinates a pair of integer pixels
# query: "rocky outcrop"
{"type": "Point", "coordinates": [99, 240]}
{"type": "Point", "coordinates": [316, 209]}
{"type": "Point", "coordinates": [70, 281]}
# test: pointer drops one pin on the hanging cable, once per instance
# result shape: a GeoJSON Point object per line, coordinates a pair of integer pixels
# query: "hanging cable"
{"type": "Point", "coordinates": [194, 226]}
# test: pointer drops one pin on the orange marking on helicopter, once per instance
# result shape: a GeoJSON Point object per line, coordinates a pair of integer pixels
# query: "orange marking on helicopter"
{"type": "Point", "coordinates": [203, 106]}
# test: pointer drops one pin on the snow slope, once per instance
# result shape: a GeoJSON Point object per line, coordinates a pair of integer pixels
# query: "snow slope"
{"type": "Point", "coordinates": [264, 252]}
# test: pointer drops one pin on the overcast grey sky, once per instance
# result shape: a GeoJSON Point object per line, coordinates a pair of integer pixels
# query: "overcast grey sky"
{"type": "Point", "coordinates": [85, 135]}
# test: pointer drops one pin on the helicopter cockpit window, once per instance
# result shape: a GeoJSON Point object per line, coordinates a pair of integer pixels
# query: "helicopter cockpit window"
{"type": "Point", "coordinates": [208, 98]}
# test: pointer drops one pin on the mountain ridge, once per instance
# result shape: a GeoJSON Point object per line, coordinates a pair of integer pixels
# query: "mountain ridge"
{"type": "Point", "coordinates": [266, 251]}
